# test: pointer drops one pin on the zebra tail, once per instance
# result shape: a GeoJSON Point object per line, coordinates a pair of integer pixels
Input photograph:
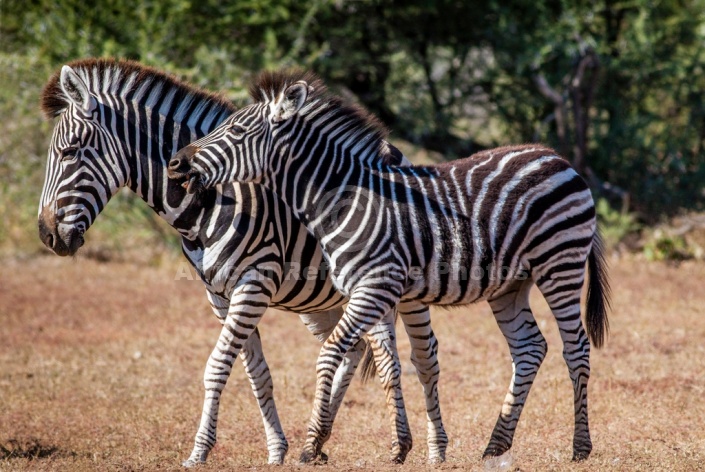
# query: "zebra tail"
{"type": "Point", "coordinates": [598, 293]}
{"type": "Point", "coordinates": [368, 368]}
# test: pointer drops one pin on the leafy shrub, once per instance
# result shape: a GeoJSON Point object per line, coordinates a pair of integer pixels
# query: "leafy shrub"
{"type": "Point", "coordinates": [663, 247]}
{"type": "Point", "coordinates": [615, 225]}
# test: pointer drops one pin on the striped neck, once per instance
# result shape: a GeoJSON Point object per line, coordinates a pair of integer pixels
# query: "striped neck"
{"type": "Point", "coordinates": [320, 164]}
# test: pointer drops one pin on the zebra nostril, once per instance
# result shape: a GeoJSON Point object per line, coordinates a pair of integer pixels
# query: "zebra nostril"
{"type": "Point", "coordinates": [49, 241]}
{"type": "Point", "coordinates": [174, 163]}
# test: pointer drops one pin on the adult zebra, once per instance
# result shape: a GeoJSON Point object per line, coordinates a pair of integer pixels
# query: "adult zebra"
{"type": "Point", "coordinates": [482, 228]}
{"type": "Point", "coordinates": [119, 123]}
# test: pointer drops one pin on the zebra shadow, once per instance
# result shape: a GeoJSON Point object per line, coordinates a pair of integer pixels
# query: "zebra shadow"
{"type": "Point", "coordinates": [31, 449]}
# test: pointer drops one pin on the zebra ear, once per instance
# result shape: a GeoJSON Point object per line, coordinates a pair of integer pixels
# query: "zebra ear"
{"type": "Point", "coordinates": [76, 90]}
{"type": "Point", "coordinates": [291, 101]}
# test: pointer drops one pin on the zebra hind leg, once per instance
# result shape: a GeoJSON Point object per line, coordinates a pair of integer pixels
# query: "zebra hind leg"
{"type": "Point", "coordinates": [382, 340]}
{"type": "Point", "coordinates": [527, 347]}
{"type": "Point", "coordinates": [257, 370]}
{"type": "Point", "coordinates": [562, 292]}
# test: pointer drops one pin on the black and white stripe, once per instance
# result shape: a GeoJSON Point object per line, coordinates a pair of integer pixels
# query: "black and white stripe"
{"type": "Point", "coordinates": [486, 227]}
{"type": "Point", "coordinates": [119, 124]}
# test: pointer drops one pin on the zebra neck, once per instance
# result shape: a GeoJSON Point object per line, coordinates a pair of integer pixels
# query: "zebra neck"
{"type": "Point", "coordinates": [323, 188]}
{"type": "Point", "coordinates": [146, 162]}
{"type": "Point", "coordinates": [324, 164]}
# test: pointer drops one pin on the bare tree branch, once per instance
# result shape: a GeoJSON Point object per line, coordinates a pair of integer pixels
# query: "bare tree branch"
{"type": "Point", "coordinates": [559, 109]}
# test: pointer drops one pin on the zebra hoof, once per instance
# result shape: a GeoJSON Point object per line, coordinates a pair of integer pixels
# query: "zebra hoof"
{"type": "Point", "coordinates": [196, 458]}
{"type": "Point", "coordinates": [313, 458]}
{"type": "Point", "coordinates": [399, 457]}
{"type": "Point", "coordinates": [277, 454]}
{"type": "Point", "coordinates": [436, 459]}
{"type": "Point", "coordinates": [494, 450]}
{"type": "Point", "coordinates": [278, 460]}
{"type": "Point", "coordinates": [190, 463]}
{"type": "Point", "coordinates": [437, 445]}
{"type": "Point", "coordinates": [400, 450]}
{"type": "Point", "coordinates": [581, 448]}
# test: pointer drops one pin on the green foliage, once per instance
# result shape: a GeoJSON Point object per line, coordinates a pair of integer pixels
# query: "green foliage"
{"type": "Point", "coordinates": [662, 247]}
{"type": "Point", "coordinates": [616, 87]}
{"type": "Point", "coordinates": [23, 146]}
{"type": "Point", "coordinates": [615, 225]}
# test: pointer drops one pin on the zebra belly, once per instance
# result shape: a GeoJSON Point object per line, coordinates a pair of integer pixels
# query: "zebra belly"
{"type": "Point", "coordinates": [452, 284]}
{"type": "Point", "coordinates": [309, 290]}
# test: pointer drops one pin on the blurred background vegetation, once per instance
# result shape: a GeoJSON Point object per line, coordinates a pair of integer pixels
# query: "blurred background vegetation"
{"type": "Point", "coordinates": [617, 87]}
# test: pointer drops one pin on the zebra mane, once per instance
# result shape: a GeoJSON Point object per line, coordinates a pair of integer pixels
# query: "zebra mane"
{"type": "Point", "coordinates": [112, 75]}
{"type": "Point", "coordinates": [269, 84]}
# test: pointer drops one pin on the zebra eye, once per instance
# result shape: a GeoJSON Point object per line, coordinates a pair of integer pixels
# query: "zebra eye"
{"type": "Point", "coordinates": [237, 130]}
{"type": "Point", "coordinates": [69, 153]}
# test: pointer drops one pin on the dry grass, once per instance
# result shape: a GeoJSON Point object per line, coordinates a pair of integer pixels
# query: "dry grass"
{"type": "Point", "coordinates": [101, 364]}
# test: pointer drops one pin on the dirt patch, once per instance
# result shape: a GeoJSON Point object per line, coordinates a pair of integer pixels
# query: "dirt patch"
{"type": "Point", "coordinates": [101, 367]}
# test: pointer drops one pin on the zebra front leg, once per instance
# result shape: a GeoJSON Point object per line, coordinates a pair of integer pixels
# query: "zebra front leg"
{"type": "Point", "coordinates": [343, 378]}
{"type": "Point", "coordinates": [257, 370]}
{"type": "Point", "coordinates": [381, 339]}
{"type": "Point", "coordinates": [424, 349]}
{"type": "Point", "coordinates": [527, 347]}
{"type": "Point", "coordinates": [321, 325]}
{"type": "Point", "coordinates": [361, 314]}
{"type": "Point", "coordinates": [341, 382]}
{"type": "Point", "coordinates": [247, 305]}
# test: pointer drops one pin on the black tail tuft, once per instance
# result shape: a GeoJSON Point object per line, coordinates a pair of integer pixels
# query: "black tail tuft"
{"type": "Point", "coordinates": [368, 368]}
{"type": "Point", "coordinates": [598, 294]}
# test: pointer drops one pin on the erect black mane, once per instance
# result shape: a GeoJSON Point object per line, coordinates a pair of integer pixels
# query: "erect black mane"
{"type": "Point", "coordinates": [269, 84]}
{"type": "Point", "coordinates": [54, 101]}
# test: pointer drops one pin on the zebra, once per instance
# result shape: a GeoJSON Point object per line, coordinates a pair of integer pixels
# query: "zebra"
{"type": "Point", "coordinates": [486, 227]}
{"type": "Point", "coordinates": [119, 124]}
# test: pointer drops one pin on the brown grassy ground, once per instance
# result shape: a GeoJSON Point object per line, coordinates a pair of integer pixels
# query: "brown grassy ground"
{"type": "Point", "coordinates": [101, 364]}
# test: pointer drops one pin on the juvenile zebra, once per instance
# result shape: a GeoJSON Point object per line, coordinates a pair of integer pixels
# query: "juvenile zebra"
{"type": "Point", "coordinates": [119, 124]}
{"type": "Point", "coordinates": [482, 228]}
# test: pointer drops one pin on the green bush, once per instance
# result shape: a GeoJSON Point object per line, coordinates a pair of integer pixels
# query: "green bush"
{"type": "Point", "coordinates": [24, 137]}
{"type": "Point", "coordinates": [664, 247]}
{"type": "Point", "coordinates": [618, 90]}
{"type": "Point", "coordinates": [615, 225]}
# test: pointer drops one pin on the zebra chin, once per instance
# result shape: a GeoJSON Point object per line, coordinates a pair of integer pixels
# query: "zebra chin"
{"type": "Point", "coordinates": [180, 170]}
{"type": "Point", "coordinates": [191, 181]}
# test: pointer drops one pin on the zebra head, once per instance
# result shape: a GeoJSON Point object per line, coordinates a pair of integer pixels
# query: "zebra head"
{"type": "Point", "coordinates": [77, 185]}
{"type": "Point", "coordinates": [246, 145]}
{"type": "Point", "coordinates": [119, 123]}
